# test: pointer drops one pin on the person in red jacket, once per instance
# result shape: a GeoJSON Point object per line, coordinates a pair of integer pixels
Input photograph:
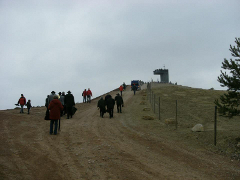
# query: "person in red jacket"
{"type": "Point", "coordinates": [22, 102]}
{"type": "Point", "coordinates": [89, 94]}
{"type": "Point", "coordinates": [121, 89]}
{"type": "Point", "coordinates": [55, 107]}
{"type": "Point", "coordinates": [84, 94]}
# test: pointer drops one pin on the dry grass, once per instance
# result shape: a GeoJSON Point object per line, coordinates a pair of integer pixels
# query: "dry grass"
{"type": "Point", "coordinates": [196, 106]}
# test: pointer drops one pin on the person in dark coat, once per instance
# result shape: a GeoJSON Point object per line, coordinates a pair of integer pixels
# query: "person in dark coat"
{"type": "Point", "coordinates": [69, 102]}
{"type": "Point", "coordinates": [55, 108]}
{"type": "Point", "coordinates": [64, 106]}
{"type": "Point", "coordinates": [107, 97]}
{"type": "Point", "coordinates": [134, 88]}
{"type": "Point", "coordinates": [61, 99]}
{"type": "Point", "coordinates": [29, 105]}
{"type": "Point", "coordinates": [124, 86]}
{"type": "Point", "coordinates": [119, 101]}
{"type": "Point", "coordinates": [46, 102]}
{"type": "Point", "coordinates": [101, 106]}
{"type": "Point", "coordinates": [110, 105]}
{"type": "Point", "coordinates": [47, 111]}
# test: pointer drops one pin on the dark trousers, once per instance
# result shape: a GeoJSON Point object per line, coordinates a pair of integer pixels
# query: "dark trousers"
{"type": "Point", "coordinates": [119, 108]}
{"type": "Point", "coordinates": [102, 111]}
{"type": "Point", "coordinates": [61, 113]}
{"type": "Point", "coordinates": [84, 99]}
{"type": "Point", "coordinates": [121, 93]}
{"type": "Point", "coordinates": [28, 110]}
{"type": "Point", "coordinates": [110, 111]}
{"type": "Point", "coordinates": [88, 98]}
{"type": "Point", "coordinates": [55, 127]}
{"type": "Point", "coordinates": [134, 91]}
{"type": "Point", "coordinates": [21, 110]}
{"type": "Point", "coordinates": [69, 111]}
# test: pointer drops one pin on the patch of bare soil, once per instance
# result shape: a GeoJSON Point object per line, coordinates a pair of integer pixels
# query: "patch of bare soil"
{"type": "Point", "coordinates": [128, 146]}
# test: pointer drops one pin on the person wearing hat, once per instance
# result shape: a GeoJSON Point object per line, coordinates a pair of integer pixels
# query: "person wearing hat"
{"type": "Point", "coordinates": [50, 98]}
{"type": "Point", "coordinates": [107, 97]}
{"type": "Point", "coordinates": [69, 102]}
{"type": "Point", "coordinates": [22, 102]}
{"type": "Point", "coordinates": [55, 108]}
{"type": "Point", "coordinates": [119, 101]}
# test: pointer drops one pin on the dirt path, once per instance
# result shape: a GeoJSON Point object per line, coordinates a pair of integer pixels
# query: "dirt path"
{"type": "Point", "coordinates": [90, 147]}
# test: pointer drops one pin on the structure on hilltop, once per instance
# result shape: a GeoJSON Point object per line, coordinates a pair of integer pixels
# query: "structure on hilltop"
{"type": "Point", "coordinates": [163, 75]}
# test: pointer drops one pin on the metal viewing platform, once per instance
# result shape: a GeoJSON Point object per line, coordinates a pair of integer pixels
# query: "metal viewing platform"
{"type": "Point", "coordinates": [163, 75]}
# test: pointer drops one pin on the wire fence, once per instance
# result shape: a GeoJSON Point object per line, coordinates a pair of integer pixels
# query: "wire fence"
{"type": "Point", "coordinates": [175, 112]}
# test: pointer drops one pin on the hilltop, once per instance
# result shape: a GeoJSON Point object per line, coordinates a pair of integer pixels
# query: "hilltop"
{"type": "Point", "coordinates": [127, 146]}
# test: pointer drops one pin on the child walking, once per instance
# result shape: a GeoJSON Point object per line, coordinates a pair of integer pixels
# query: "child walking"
{"type": "Point", "coordinates": [29, 105]}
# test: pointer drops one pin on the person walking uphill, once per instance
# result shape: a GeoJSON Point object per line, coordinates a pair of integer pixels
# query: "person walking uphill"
{"type": "Point", "coordinates": [134, 88]}
{"type": "Point", "coordinates": [101, 106]}
{"type": "Point", "coordinates": [119, 101]}
{"type": "Point", "coordinates": [124, 86]}
{"type": "Point", "coordinates": [110, 106]}
{"type": "Point", "coordinates": [29, 105]}
{"type": "Point", "coordinates": [55, 107]}
{"type": "Point", "coordinates": [64, 106]}
{"type": "Point", "coordinates": [61, 99]}
{"type": "Point", "coordinates": [50, 98]}
{"type": "Point", "coordinates": [121, 89]}
{"type": "Point", "coordinates": [69, 102]}
{"type": "Point", "coordinates": [22, 102]}
{"type": "Point", "coordinates": [84, 94]}
{"type": "Point", "coordinates": [89, 94]}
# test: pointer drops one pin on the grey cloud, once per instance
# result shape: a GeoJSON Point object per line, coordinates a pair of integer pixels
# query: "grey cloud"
{"type": "Point", "coordinates": [73, 45]}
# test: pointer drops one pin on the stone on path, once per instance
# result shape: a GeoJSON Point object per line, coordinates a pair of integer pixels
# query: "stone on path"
{"type": "Point", "coordinates": [146, 109]}
{"type": "Point", "coordinates": [170, 121]}
{"type": "Point", "coordinates": [198, 128]}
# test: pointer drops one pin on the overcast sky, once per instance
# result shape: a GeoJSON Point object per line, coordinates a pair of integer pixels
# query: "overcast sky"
{"type": "Point", "coordinates": [71, 45]}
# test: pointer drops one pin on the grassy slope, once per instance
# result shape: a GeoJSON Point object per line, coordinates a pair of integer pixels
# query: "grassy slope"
{"type": "Point", "coordinates": [196, 106]}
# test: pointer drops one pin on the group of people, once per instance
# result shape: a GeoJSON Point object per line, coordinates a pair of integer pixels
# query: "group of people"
{"type": "Point", "coordinates": [107, 104]}
{"type": "Point", "coordinates": [87, 94]}
{"type": "Point", "coordinates": [22, 102]}
{"type": "Point", "coordinates": [58, 105]}
{"type": "Point", "coordinates": [67, 102]}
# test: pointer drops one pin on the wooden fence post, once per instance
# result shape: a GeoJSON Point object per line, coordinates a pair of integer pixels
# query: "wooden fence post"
{"type": "Point", "coordinates": [176, 115]}
{"type": "Point", "coordinates": [150, 97]}
{"type": "Point", "coordinates": [154, 103]}
{"type": "Point", "coordinates": [159, 117]}
{"type": "Point", "coordinates": [215, 127]}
